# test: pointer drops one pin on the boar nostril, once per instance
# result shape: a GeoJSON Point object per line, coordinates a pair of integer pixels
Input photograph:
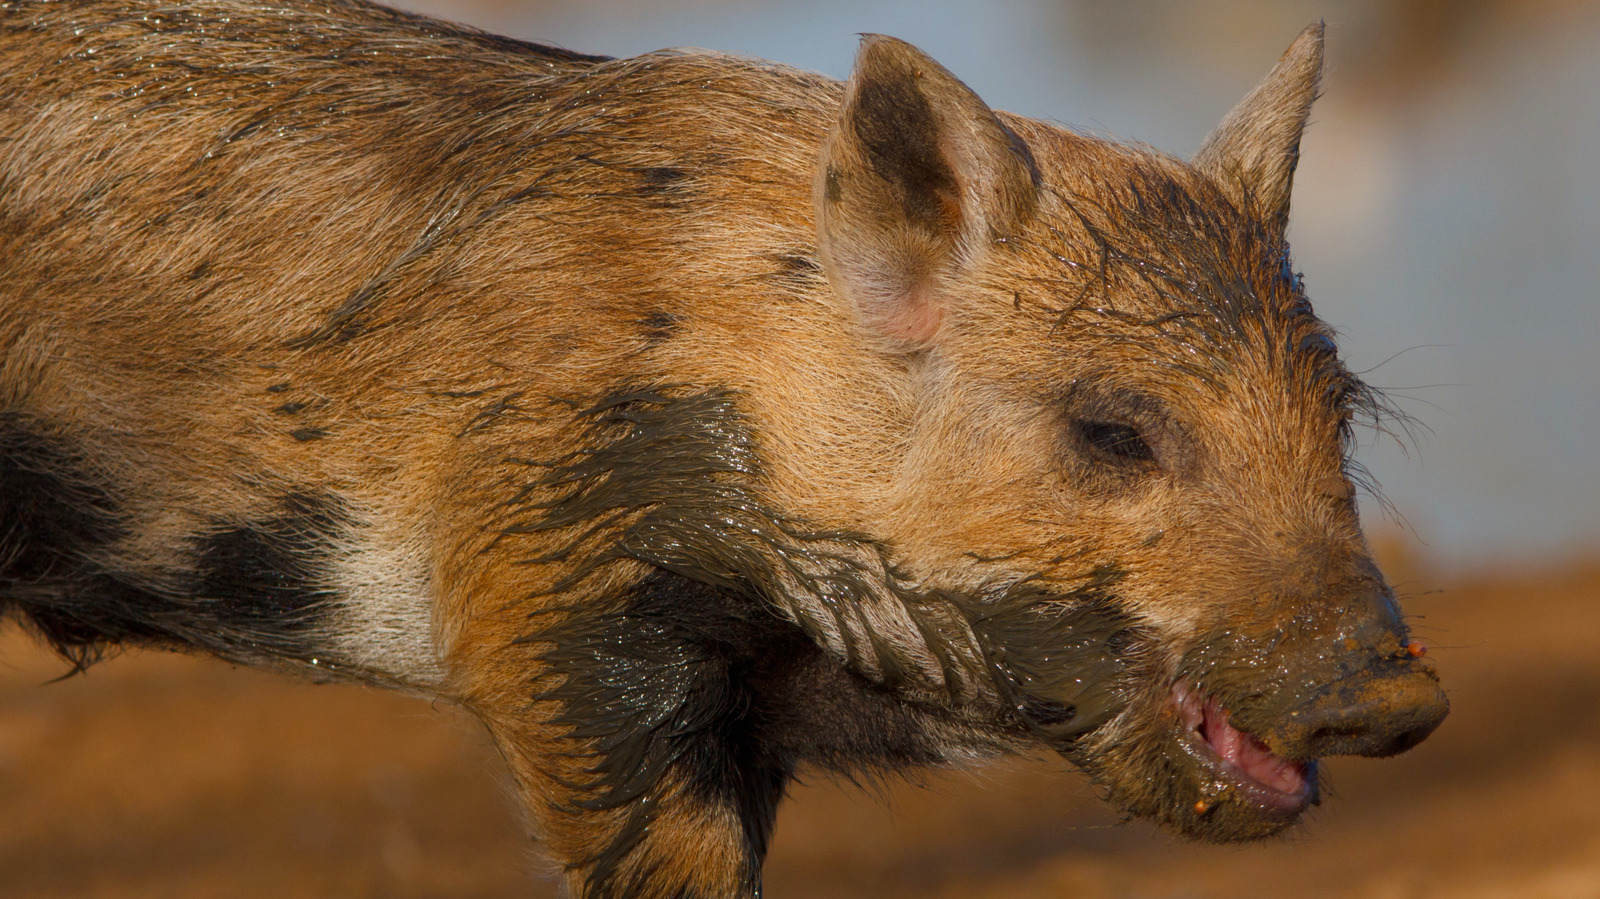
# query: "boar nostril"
{"type": "Point", "coordinates": [1330, 734]}
{"type": "Point", "coordinates": [1351, 731]}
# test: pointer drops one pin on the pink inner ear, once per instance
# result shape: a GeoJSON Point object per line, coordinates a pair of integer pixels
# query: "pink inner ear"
{"type": "Point", "coordinates": [888, 277]}
{"type": "Point", "coordinates": [912, 314]}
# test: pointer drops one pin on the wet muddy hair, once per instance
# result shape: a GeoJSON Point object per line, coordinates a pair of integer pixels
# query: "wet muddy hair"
{"type": "Point", "coordinates": [670, 477]}
{"type": "Point", "coordinates": [756, 644]}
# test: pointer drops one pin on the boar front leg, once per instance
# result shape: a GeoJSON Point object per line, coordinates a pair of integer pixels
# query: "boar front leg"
{"type": "Point", "coordinates": [653, 732]}
{"type": "Point", "coordinates": [632, 725]}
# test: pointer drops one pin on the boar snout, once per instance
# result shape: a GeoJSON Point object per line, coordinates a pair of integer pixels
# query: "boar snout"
{"type": "Point", "coordinates": [1255, 707]}
{"type": "Point", "coordinates": [1366, 688]}
{"type": "Point", "coordinates": [1383, 709]}
{"type": "Point", "coordinates": [1360, 686]}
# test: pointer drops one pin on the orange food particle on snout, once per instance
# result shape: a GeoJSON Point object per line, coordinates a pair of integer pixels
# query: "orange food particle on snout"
{"type": "Point", "coordinates": [1201, 807]}
{"type": "Point", "coordinates": [1416, 649]}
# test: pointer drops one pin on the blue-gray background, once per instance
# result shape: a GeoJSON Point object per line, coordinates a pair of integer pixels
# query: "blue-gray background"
{"type": "Point", "coordinates": [1446, 212]}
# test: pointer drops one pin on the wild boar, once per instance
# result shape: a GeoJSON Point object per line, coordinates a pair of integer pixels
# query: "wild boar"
{"type": "Point", "coordinates": [689, 419]}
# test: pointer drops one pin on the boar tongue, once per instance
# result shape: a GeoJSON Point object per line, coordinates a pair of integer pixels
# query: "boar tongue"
{"type": "Point", "coordinates": [1246, 754]}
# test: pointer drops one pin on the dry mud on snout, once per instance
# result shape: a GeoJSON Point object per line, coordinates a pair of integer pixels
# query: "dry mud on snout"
{"type": "Point", "coordinates": [168, 776]}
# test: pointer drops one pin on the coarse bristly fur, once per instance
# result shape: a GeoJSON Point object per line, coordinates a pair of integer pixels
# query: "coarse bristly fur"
{"type": "Point", "coordinates": [690, 419]}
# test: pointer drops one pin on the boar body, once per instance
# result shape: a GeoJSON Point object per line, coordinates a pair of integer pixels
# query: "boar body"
{"type": "Point", "coordinates": [689, 419]}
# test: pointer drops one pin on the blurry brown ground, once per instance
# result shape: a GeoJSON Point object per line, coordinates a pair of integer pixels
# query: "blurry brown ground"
{"type": "Point", "coordinates": [161, 775]}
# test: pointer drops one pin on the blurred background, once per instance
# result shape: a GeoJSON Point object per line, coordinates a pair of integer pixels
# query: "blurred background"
{"type": "Point", "coordinates": [1447, 218]}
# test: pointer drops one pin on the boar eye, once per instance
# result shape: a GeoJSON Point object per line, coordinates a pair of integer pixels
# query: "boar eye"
{"type": "Point", "coordinates": [1117, 440]}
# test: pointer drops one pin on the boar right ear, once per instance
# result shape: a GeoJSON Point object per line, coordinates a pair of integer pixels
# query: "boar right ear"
{"type": "Point", "coordinates": [917, 178]}
{"type": "Point", "coordinates": [1252, 154]}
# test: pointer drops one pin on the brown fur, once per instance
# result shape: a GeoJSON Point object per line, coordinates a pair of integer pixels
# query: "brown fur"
{"type": "Point", "coordinates": [689, 419]}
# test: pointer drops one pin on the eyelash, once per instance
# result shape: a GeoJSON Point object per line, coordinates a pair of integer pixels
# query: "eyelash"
{"type": "Point", "coordinates": [1119, 441]}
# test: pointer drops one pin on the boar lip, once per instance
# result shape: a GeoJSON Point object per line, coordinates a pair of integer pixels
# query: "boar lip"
{"type": "Point", "coordinates": [1244, 766]}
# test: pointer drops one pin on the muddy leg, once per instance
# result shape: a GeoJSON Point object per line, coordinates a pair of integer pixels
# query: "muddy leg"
{"type": "Point", "coordinates": [629, 728]}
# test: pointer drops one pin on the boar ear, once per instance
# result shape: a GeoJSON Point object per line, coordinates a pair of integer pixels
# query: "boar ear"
{"type": "Point", "coordinates": [1252, 154]}
{"type": "Point", "coordinates": [916, 180]}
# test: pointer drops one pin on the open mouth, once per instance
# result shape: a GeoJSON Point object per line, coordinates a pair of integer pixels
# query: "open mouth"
{"type": "Point", "coordinates": [1241, 767]}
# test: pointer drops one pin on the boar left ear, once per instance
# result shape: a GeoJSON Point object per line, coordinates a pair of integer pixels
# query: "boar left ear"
{"type": "Point", "coordinates": [916, 180]}
{"type": "Point", "coordinates": [1252, 154]}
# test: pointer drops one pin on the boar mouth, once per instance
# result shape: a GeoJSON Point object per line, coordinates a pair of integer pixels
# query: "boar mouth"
{"type": "Point", "coordinates": [1240, 768]}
